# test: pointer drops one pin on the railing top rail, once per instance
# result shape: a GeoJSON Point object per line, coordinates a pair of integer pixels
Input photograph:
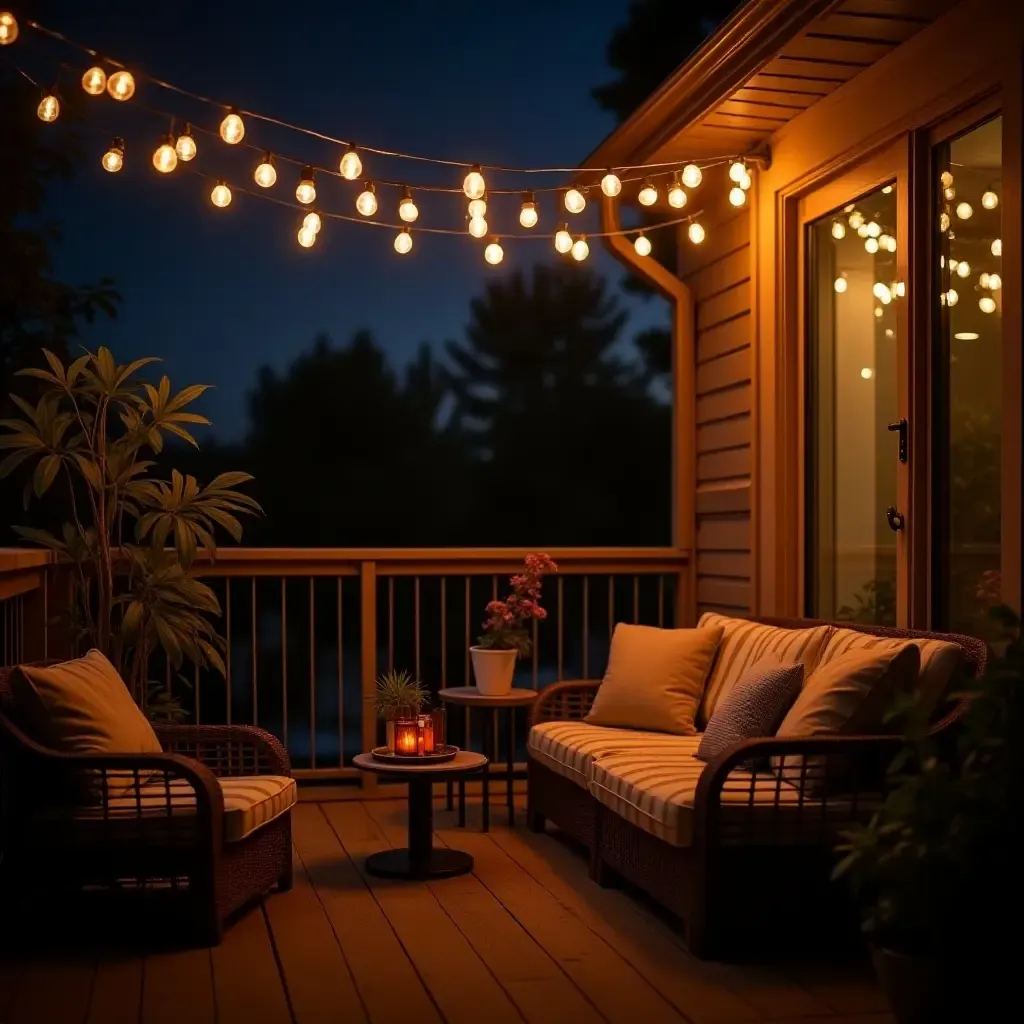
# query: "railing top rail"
{"type": "Point", "coordinates": [13, 560]}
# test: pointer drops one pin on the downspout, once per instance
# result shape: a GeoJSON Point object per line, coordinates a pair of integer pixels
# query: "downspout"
{"type": "Point", "coordinates": [684, 402]}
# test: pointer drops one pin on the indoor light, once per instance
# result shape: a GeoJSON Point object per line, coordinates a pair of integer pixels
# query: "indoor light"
{"type": "Point", "coordinates": [963, 269]}
{"type": "Point", "coordinates": [838, 229]}
{"type": "Point", "coordinates": [305, 191]}
{"type": "Point", "coordinates": [563, 240]}
{"type": "Point", "coordinates": [265, 174]}
{"type": "Point", "coordinates": [8, 28]}
{"type": "Point", "coordinates": [737, 196]}
{"type": "Point", "coordinates": [312, 221]}
{"type": "Point", "coordinates": [407, 209]}
{"type": "Point", "coordinates": [474, 185]}
{"type": "Point", "coordinates": [165, 159]}
{"type": "Point", "coordinates": [676, 196]}
{"type": "Point", "coordinates": [580, 249]}
{"type": "Point", "coordinates": [746, 181]}
{"type": "Point", "coordinates": [871, 244]}
{"type": "Point", "coordinates": [307, 236]}
{"type": "Point", "coordinates": [696, 233]}
{"type": "Point", "coordinates": [964, 211]}
{"type": "Point", "coordinates": [366, 202]}
{"type": "Point", "coordinates": [987, 304]}
{"type": "Point", "coordinates": [232, 130]}
{"type": "Point", "coordinates": [113, 159]}
{"type": "Point", "coordinates": [494, 253]}
{"type": "Point", "coordinates": [528, 211]}
{"type": "Point", "coordinates": [642, 245]}
{"type": "Point", "coordinates": [611, 184]}
{"type": "Point", "coordinates": [648, 195]}
{"type": "Point", "coordinates": [121, 85]}
{"type": "Point", "coordinates": [478, 207]}
{"type": "Point", "coordinates": [49, 107]}
{"type": "Point", "coordinates": [94, 81]}
{"type": "Point", "coordinates": [840, 285]}
{"type": "Point", "coordinates": [997, 247]}
{"type": "Point", "coordinates": [989, 200]}
{"type": "Point", "coordinates": [692, 176]}
{"type": "Point", "coordinates": [995, 282]}
{"type": "Point", "coordinates": [221, 195]}
{"type": "Point", "coordinates": [403, 241]}
{"type": "Point", "coordinates": [575, 201]}
{"type": "Point", "coordinates": [351, 166]}
{"type": "Point", "coordinates": [477, 227]}
{"type": "Point", "coordinates": [185, 147]}
{"type": "Point", "coordinates": [737, 169]}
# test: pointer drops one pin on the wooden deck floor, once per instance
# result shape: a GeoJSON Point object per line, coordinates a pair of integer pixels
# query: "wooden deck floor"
{"type": "Point", "coordinates": [526, 937]}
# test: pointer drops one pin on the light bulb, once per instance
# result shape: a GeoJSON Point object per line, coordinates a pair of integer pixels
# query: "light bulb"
{"type": "Point", "coordinates": [528, 211]}
{"type": "Point", "coordinates": [873, 229]}
{"type": "Point", "coordinates": [575, 200]}
{"type": "Point", "coordinates": [882, 293]}
{"type": "Point", "coordinates": [946, 179]}
{"type": "Point", "coordinates": [736, 171]}
{"type": "Point", "coordinates": [899, 289]}
{"type": "Point", "coordinates": [871, 244]}
{"type": "Point", "coordinates": [563, 240]}
{"type": "Point", "coordinates": [312, 221]}
{"type": "Point", "coordinates": [838, 229]}
{"type": "Point", "coordinates": [494, 253]}
{"type": "Point", "coordinates": [883, 240]}
{"type": "Point", "coordinates": [886, 190]}
{"type": "Point", "coordinates": [642, 245]}
{"type": "Point", "coordinates": [113, 159]}
{"type": "Point", "coordinates": [696, 233]}
{"type": "Point", "coordinates": [232, 129]}
{"type": "Point", "coordinates": [305, 191]}
{"type": "Point", "coordinates": [185, 147]}
{"type": "Point", "coordinates": [474, 185]}
{"type": "Point", "coordinates": [692, 176]}
{"type": "Point", "coordinates": [964, 211]}
{"type": "Point", "coordinates": [477, 227]}
{"type": "Point", "coordinates": [983, 280]}
{"type": "Point", "coordinates": [351, 165]}
{"type": "Point", "coordinates": [611, 184]}
{"type": "Point", "coordinates": [676, 196]}
{"type": "Point", "coordinates": [165, 159]}
{"type": "Point", "coordinates": [737, 196]}
{"type": "Point", "coordinates": [366, 203]}
{"type": "Point", "coordinates": [746, 181]}
{"type": "Point", "coordinates": [8, 28]}
{"type": "Point", "coordinates": [987, 304]}
{"type": "Point", "coordinates": [403, 241]}
{"type": "Point", "coordinates": [952, 297]}
{"type": "Point", "coordinates": [307, 236]}
{"type": "Point", "coordinates": [94, 81]}
{"type": "Point", "coordinates": [477, 207]}
{"type": "Point", "coordinates": [949, 193]}
{"type": "Point", "coordinates": [997, 247]}
{"type": "Point", "coordinates": [989, 200]}
{"type": "Point", "coordinates": [580, 249]}
{"type": "Point", "coordinates": [265, 174]}
{"type": "Point", "coordinates": [840, 285]}
{"type": "Point", "coordinates": [49, 108]}
{"type": "Point", "coordinates": [221, 195]}
{"type": "Point", "coordinates": [862, 231]}
{"type": "Point", "coordinates": [867, 373]}
{"type": "Point", "coordinates": [121, 85]}
{"type": "Point", "coordinates": [943, 221]}
{"type": "Point", "coordinates": [995, 282]}
{"type": "Point", "coordinates": [963, 269]}
{"type": "Point", "coordinates": [856, 219]}
{"type": "Point", "coordinates": [407, 209]}
{"type": "Point", "coordinates": [648, 194]}
{"type": "Point", "coordinates": [890, 245]}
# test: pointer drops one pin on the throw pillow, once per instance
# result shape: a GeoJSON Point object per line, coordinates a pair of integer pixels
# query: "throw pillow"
{"type": "Point", "coordinates": [655, 678]}
{"type": "Point", "coordinates": [753, 707]}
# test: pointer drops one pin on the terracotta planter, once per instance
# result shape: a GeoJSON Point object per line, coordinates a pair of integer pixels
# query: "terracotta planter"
{"type": "Point", "coordinates": [493, 670]}
{"type": "Point", "coordinates": [913, 985]}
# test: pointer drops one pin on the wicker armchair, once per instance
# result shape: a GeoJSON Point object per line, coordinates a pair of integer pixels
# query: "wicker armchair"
{"type": "Point", "coordinates": [153, 823]}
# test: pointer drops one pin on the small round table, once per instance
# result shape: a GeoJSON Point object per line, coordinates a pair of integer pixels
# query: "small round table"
{"type": "Point", "coordinates": [470, 697]}
{"type": "Point", "coordinates": [421, 859]}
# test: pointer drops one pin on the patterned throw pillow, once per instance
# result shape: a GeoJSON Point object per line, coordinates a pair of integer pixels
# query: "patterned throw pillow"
{"type": "Point", "coordinates": [754, 707]}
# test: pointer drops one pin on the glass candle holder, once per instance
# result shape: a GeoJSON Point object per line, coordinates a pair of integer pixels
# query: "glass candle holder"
{"type": "Point", "coordinates": [406, 736]}
{"type": "Point", "coordinates": [425, 736]}
{"type": "Point", "coordinates": [440, 720]}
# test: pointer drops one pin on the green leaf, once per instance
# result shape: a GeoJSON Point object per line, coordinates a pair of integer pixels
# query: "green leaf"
{"type": "Point", "coordinates": [46, 472]}
{"type": "Point", "coordinates": [89, 470]}
{"type": "Point", "coordinates": [13, 461]}
{"type": "Point", "coordinates": [56, 365]}
{"type": "Point", "coordinates": [40, 374]}
{"type": "Point", "coordinates": [42, 537]}
{"type": "Point", "coordinates": [185, 396]}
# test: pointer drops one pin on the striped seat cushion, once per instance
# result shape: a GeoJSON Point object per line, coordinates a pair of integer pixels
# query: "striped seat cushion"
{"type": "Point", "coordinates": [655, 792]}
{"type": "Point", "coordinates": [744, 643]}
{"type": "Point", "coordinates": [570, 748]}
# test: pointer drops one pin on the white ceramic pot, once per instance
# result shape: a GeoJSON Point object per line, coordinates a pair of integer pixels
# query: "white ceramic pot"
{"type": "Point", "coordinates": [493, 670]}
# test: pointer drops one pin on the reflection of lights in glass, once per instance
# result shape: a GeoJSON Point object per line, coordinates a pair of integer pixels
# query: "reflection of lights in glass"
{"type": "Point", "coordinates": [946, 178]}
{"type": "Point", "coordinates": [874, 230]}
{"type": "Point", "coordinates": [989, 200]}
{"type": "Point", "coordinates": [863, 231]}
{"type": "Point", "coordinates": [997, 247]}
{"type": "Point", "coordinates": [890, 333]}
{"type": "Point", "coordinates": [856, 219]}
{"type": "Point", "coordinates": [871, 244]}
{"type": "Point", "coordinates": [886, 190]}
{"type": "Point", "coordinates": [967, 336]}
{"type": "Point", "coordinates": [838, 229]}
{"type": "Point", "coordinates": [995, 282]}
{"type": "Point", "coordinates": [952, 298]}
{"type": "Point", "coordinates": [964, 211]}
{"type": "Point", "coordinates": [943, 221]}
{"type": "Point", "coordinates": [867, 373]}
{"type": "Point", "coordinates": [878, 312]}
{"type": "Point", "coordinates": [963, 269]}
{"type": "Point", "coordinates": [840, 285]}
{"type": "Point", "coordinates": [882, 293]}
{"type": "Point", "coordinates": [987, 304]}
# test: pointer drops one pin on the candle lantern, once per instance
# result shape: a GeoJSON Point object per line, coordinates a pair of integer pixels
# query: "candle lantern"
{"type": "Point", "coordinates": [425, 734]}
{"type": "Point", "coordinates": [406, 736]}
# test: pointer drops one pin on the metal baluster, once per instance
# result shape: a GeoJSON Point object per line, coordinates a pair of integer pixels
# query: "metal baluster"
{"type": "Point", "coordinates": [586, 627]}
{"type": "Point", "coordinates": [661, 601]}
{"type": "Point", "coordinates": [611, 606]}
{"type": "Point", "coordinates": [391, 623]}
{"type": "Point", "coordinates": [561, 613]}
{"type": "Point", "coordinates": [535, 655]}
{"type": "Point", "coordinates": [341, 690]}
{"type": "Point", "coordinates": [468, 677]}
{"type": "Point", "coordinates": [416, 621]}
{"type": "Point", "coordinates": [312, 675]}
{"type": "Point", "coordinates": [195, 687]}
{"type": "Point", "coordinates": [284, 661]}
{"type": "Point", "coordinates": [255, 654]}
{"type": "Point", "coordinates": [444, 636]}
{"type": "Point", "coordinates": [636, 598]}
{"type": "Point", "coordinates": [227, 630]}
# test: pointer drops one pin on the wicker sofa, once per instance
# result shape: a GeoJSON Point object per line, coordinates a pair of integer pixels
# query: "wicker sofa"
{"type": "Point", "coordinates": [202, 828]}
{"type": "Point", "coordinates": [736, 854]}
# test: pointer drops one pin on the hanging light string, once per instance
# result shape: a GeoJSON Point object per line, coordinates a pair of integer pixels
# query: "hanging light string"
{"type": "Point", "coordinates": [664, 166]}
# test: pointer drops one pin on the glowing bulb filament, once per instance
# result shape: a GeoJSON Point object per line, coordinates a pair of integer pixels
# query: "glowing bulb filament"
{"type": "Point", "coordinates": [265, 174]}
{"type": "Point", "coordinates": [49, 108]}
{"type": "Point", "coordinates": [351, 165]}
{"type": "Point", "coordinates": [121, 85]}
{"type": "Point", "coordinates": [528, 211]}
{"type": "Point", "coordinates": [366, 203]}
{"type": "Point", "coordinates": [305, 191]}
{"type": "Point", "coordinates": [221, 195]}
{"type": "Point", "coordinates": [474, 185]}
{"type": "Point", "coordinates": [232, 129]}
{"type": "Point", "coordinates": [403, 241]}
{"type": "Point", "coordinates": [94, 81]}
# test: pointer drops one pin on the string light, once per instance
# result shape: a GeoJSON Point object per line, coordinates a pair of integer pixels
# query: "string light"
{"type": "Point", "coordinates": [478, 207]}
{"type": "Point", "coordinates": [366, 202]}
{"type": "Point", "coordinates": [746, 181]}
{"type": "Point", "coordinates": [840, 285]}
{"type": "Point", "coordinates": [407, 209]}
{"type": "Point", "coordinates": [997, 247]}
{"type": "Point", "coordinates": [528, 211]}
{"type": "Point", "coordinates": [952, 297]}
{"type": "Point", "coordinates": [882, 293]}
{"type": "Point", "coordinates": [964, 211]}
{"type": "Point", "coordinates": [611, 184]}
{"type": "Point", "coordinates": [692, 176]}
{"type": "Point", "coordinates": [989, 200]}
{"type": "Point", "coordinates": [8, 28]}
{"type": "Point", "coordinates": [49, 107]}
{"type": "Point", "coordinates": [474, 185]}
{"type": "Point", "coordinates": [113, 159]}
{"type": "Point", "coordinates": [856, 220]}
{"type": "Point", "coordinates": [306, 236]}
{"type": "Point", "coordinates": [232, 128]}
{"type": "Point", "coordinates": [737, 196]}
{"type": "Point", "coordinates": [403, 241]}
{"type": "Point", "coordinates": [351, 164]}
{"type": "Point", "coordinates": [265, 174]}
{"type": "Point", "coordinates": [185, 147]}
{"type": "Point", "coordinates": [963, 269]}
{"type": "Point", "coordinates": [838, 229]}
{"type": "Point", "coordinates": [737, 170]}
{"type": "Point", "coordinates": [642, 245]}
{"type": "Point", "coordinates": [312, 221]}
{"type": "Point", "coordinates": [477, 227]}
{"type": "Point", "coordinates": [696, 233]}
{"type": "Point", "coordinates": [987, 304]}
{"type": "Point", "coordinates": [563, 240]}
{"type": "Point", "coordinates": [121, 85]}
{"type": "Point", "coordinates": [494, 253]}
{"type": "Point", "coordinates": [862, 231]}
{"type": "Point", "coordinates": [946, 179]}
{"type": "Point", "coordinates": [165, 159]}
{"type": "Point", "coordinates": [949, 193]}
{"type": "Point", "coordinates": [221, 195]}
{"type": "Point", "coordinates": [871, 245]}
{"type": "Point", "coordinates": [943, 221]}
{"type": "Point", "coordinates": [676, 196]}
{"type": "Point", "coordinates": [94, 81]}
{"type": "Point", "coordinates": [648, 194]}
{"type": "Point", "coordinates": [580, 249]}
{"type": "Point", "coordinates": [305, 191]}
{"type": "Point", "coordinates": [575, 200]}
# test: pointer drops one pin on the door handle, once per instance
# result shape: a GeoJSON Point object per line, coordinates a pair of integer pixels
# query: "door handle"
{"type": "Point", "coordinates": [895, 518]}
{"type": "Point", "coordinates": [901, 426]}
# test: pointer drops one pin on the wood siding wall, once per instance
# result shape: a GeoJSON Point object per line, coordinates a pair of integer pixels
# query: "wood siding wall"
{"type": "Point", "coordinates": [719, 275]}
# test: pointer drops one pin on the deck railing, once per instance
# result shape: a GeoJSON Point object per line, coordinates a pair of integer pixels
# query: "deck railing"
{"type": "Point", "coordinates": [308, 630]}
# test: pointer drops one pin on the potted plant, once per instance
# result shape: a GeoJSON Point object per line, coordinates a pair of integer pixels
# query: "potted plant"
{"type": "Point", "coordinates": [506, 636]}
{"type": "Point", "coordinates": [935, 871]}
{"type": "Point", "coordinates": [398, 696]}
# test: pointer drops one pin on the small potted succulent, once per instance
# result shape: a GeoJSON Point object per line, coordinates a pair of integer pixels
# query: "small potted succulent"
{"type": "Point", "coordinates": [398, 696]}
{"type": "Point", "coordinates": [506, 635]}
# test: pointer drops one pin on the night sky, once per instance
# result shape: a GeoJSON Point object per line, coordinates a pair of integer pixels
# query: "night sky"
{"type": "Point", "coordinates": [218, 293]}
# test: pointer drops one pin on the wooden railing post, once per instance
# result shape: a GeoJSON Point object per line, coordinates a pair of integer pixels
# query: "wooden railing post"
{"type": "Point", "coordinates": [368, 659]}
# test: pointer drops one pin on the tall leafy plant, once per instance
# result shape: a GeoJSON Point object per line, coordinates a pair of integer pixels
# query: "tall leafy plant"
{"type": "Point", "coordinates": [131, 538]}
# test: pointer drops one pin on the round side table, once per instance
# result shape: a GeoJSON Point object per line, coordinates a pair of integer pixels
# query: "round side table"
{"type": "Point", "coordinates": [471, 698]}
{"type": "Point", "coordinates": [421, 859]}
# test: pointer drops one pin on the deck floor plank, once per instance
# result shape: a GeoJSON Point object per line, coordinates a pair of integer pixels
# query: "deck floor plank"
{"type": "Point", "coordinates": [178, 986]}
{"type": "Point", "coordinates": [58, 990]}
{"type": "Point", "coordinates": [117, 991]}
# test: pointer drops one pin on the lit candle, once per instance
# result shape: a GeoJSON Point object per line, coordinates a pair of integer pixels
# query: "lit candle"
{"type": "Point", "coordinates": [406, 733]}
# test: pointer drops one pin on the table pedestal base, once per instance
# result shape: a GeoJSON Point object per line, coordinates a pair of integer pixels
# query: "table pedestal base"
{"type": "Point", "coordinates": [440, 863]}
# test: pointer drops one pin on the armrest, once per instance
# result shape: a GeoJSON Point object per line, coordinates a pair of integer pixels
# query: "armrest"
{"type": "Point", "coordinates": [564, 702]}
{"type": "Point", "coordinates": [228, 750]}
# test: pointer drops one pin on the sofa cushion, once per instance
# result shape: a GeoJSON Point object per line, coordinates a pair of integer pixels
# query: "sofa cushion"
{"type": "Point", "coordinates": [570, 748]}
{"type": "Point", "coordinates": [941, 660]}
{"type": "Point", "coordinates": [744, 643]}
{"type": "Point", "coordinates": [655, 678]}
{"type": "Point", "coordinates": [754, 707]}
